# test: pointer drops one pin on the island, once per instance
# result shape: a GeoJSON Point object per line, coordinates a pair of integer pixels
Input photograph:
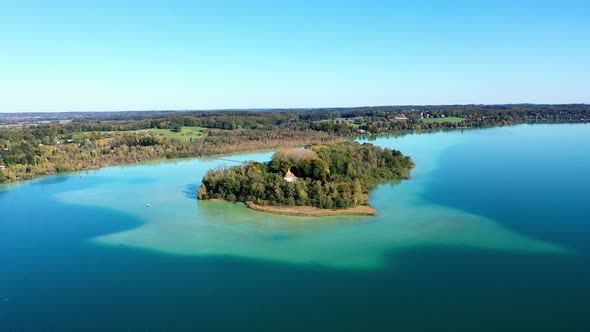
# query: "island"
{"type": "Point", "coordinates": [319, 180]}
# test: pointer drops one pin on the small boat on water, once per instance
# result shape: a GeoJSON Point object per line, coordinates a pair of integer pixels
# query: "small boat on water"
{"type": "Point", "coordinates": [148, 205]}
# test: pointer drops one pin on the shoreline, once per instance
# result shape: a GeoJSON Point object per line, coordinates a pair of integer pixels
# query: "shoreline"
{"type": "Point", "coordinates": [88, 168]}
{"type": "Point", "coordinates": [365, 137]}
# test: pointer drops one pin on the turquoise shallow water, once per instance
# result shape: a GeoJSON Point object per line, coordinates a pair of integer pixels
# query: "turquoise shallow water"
{"type": "Point", "coordinates": [491, 233]}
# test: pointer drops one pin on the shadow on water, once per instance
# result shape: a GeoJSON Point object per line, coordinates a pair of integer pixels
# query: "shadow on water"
{"type": "Point", "coordinates": [56, 179]}
{"type": "Point", "coordinates": [374, 137]}
{"type": "Point", "coordinates": [190, 191]}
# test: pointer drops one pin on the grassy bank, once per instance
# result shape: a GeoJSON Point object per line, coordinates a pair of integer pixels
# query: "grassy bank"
{"type": "Point", "coordinates": [310, 211]}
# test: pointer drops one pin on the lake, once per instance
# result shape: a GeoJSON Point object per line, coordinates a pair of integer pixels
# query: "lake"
{"type": "Point", "coordinates": [492, 233]}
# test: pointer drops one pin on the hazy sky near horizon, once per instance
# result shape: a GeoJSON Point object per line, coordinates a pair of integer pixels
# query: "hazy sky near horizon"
{"type": "Point", "coordinates": [134, 55]}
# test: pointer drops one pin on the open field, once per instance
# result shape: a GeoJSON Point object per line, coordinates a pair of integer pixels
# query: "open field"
{"type": "Point", "coordinates": [341, 120]}
{"type": "Point", "coordinates": [185, 134]}
{"type": "Point", "coordinates": [450, 119]}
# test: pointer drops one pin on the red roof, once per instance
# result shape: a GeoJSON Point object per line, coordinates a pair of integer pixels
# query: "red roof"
{"type": "Point", "coordinates": [289, 175]}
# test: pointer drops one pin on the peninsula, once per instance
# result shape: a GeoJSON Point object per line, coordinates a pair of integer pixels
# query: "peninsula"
{"type": "Point", "coordinates": [320, 180]}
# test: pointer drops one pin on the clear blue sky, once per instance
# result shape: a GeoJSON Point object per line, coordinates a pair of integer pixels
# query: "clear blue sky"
{"type": "Point", "coordinates": [133, 55]}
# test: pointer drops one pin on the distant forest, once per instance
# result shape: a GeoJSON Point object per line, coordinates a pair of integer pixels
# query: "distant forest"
{"type": "Point", "coordinates": [34, 144]}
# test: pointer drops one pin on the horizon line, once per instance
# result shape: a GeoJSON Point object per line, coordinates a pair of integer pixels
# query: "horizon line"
{"type": "Point", "coordinates": [254, 109]}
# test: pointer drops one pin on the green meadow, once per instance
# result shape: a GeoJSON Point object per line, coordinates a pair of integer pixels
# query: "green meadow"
{"type": "Point", "coordinates": [185, 134]}
{"type": "Point", "coordinates": [450, 119]}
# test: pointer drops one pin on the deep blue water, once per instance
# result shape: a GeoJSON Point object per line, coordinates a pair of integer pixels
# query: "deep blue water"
{"type": "Point", "coordinates": [529, 181]}
{"type": "Point", "coordinates": [534, 180]}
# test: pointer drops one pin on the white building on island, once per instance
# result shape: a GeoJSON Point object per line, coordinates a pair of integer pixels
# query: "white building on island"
{"type": "Point", "coordinates": [289, 176]}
